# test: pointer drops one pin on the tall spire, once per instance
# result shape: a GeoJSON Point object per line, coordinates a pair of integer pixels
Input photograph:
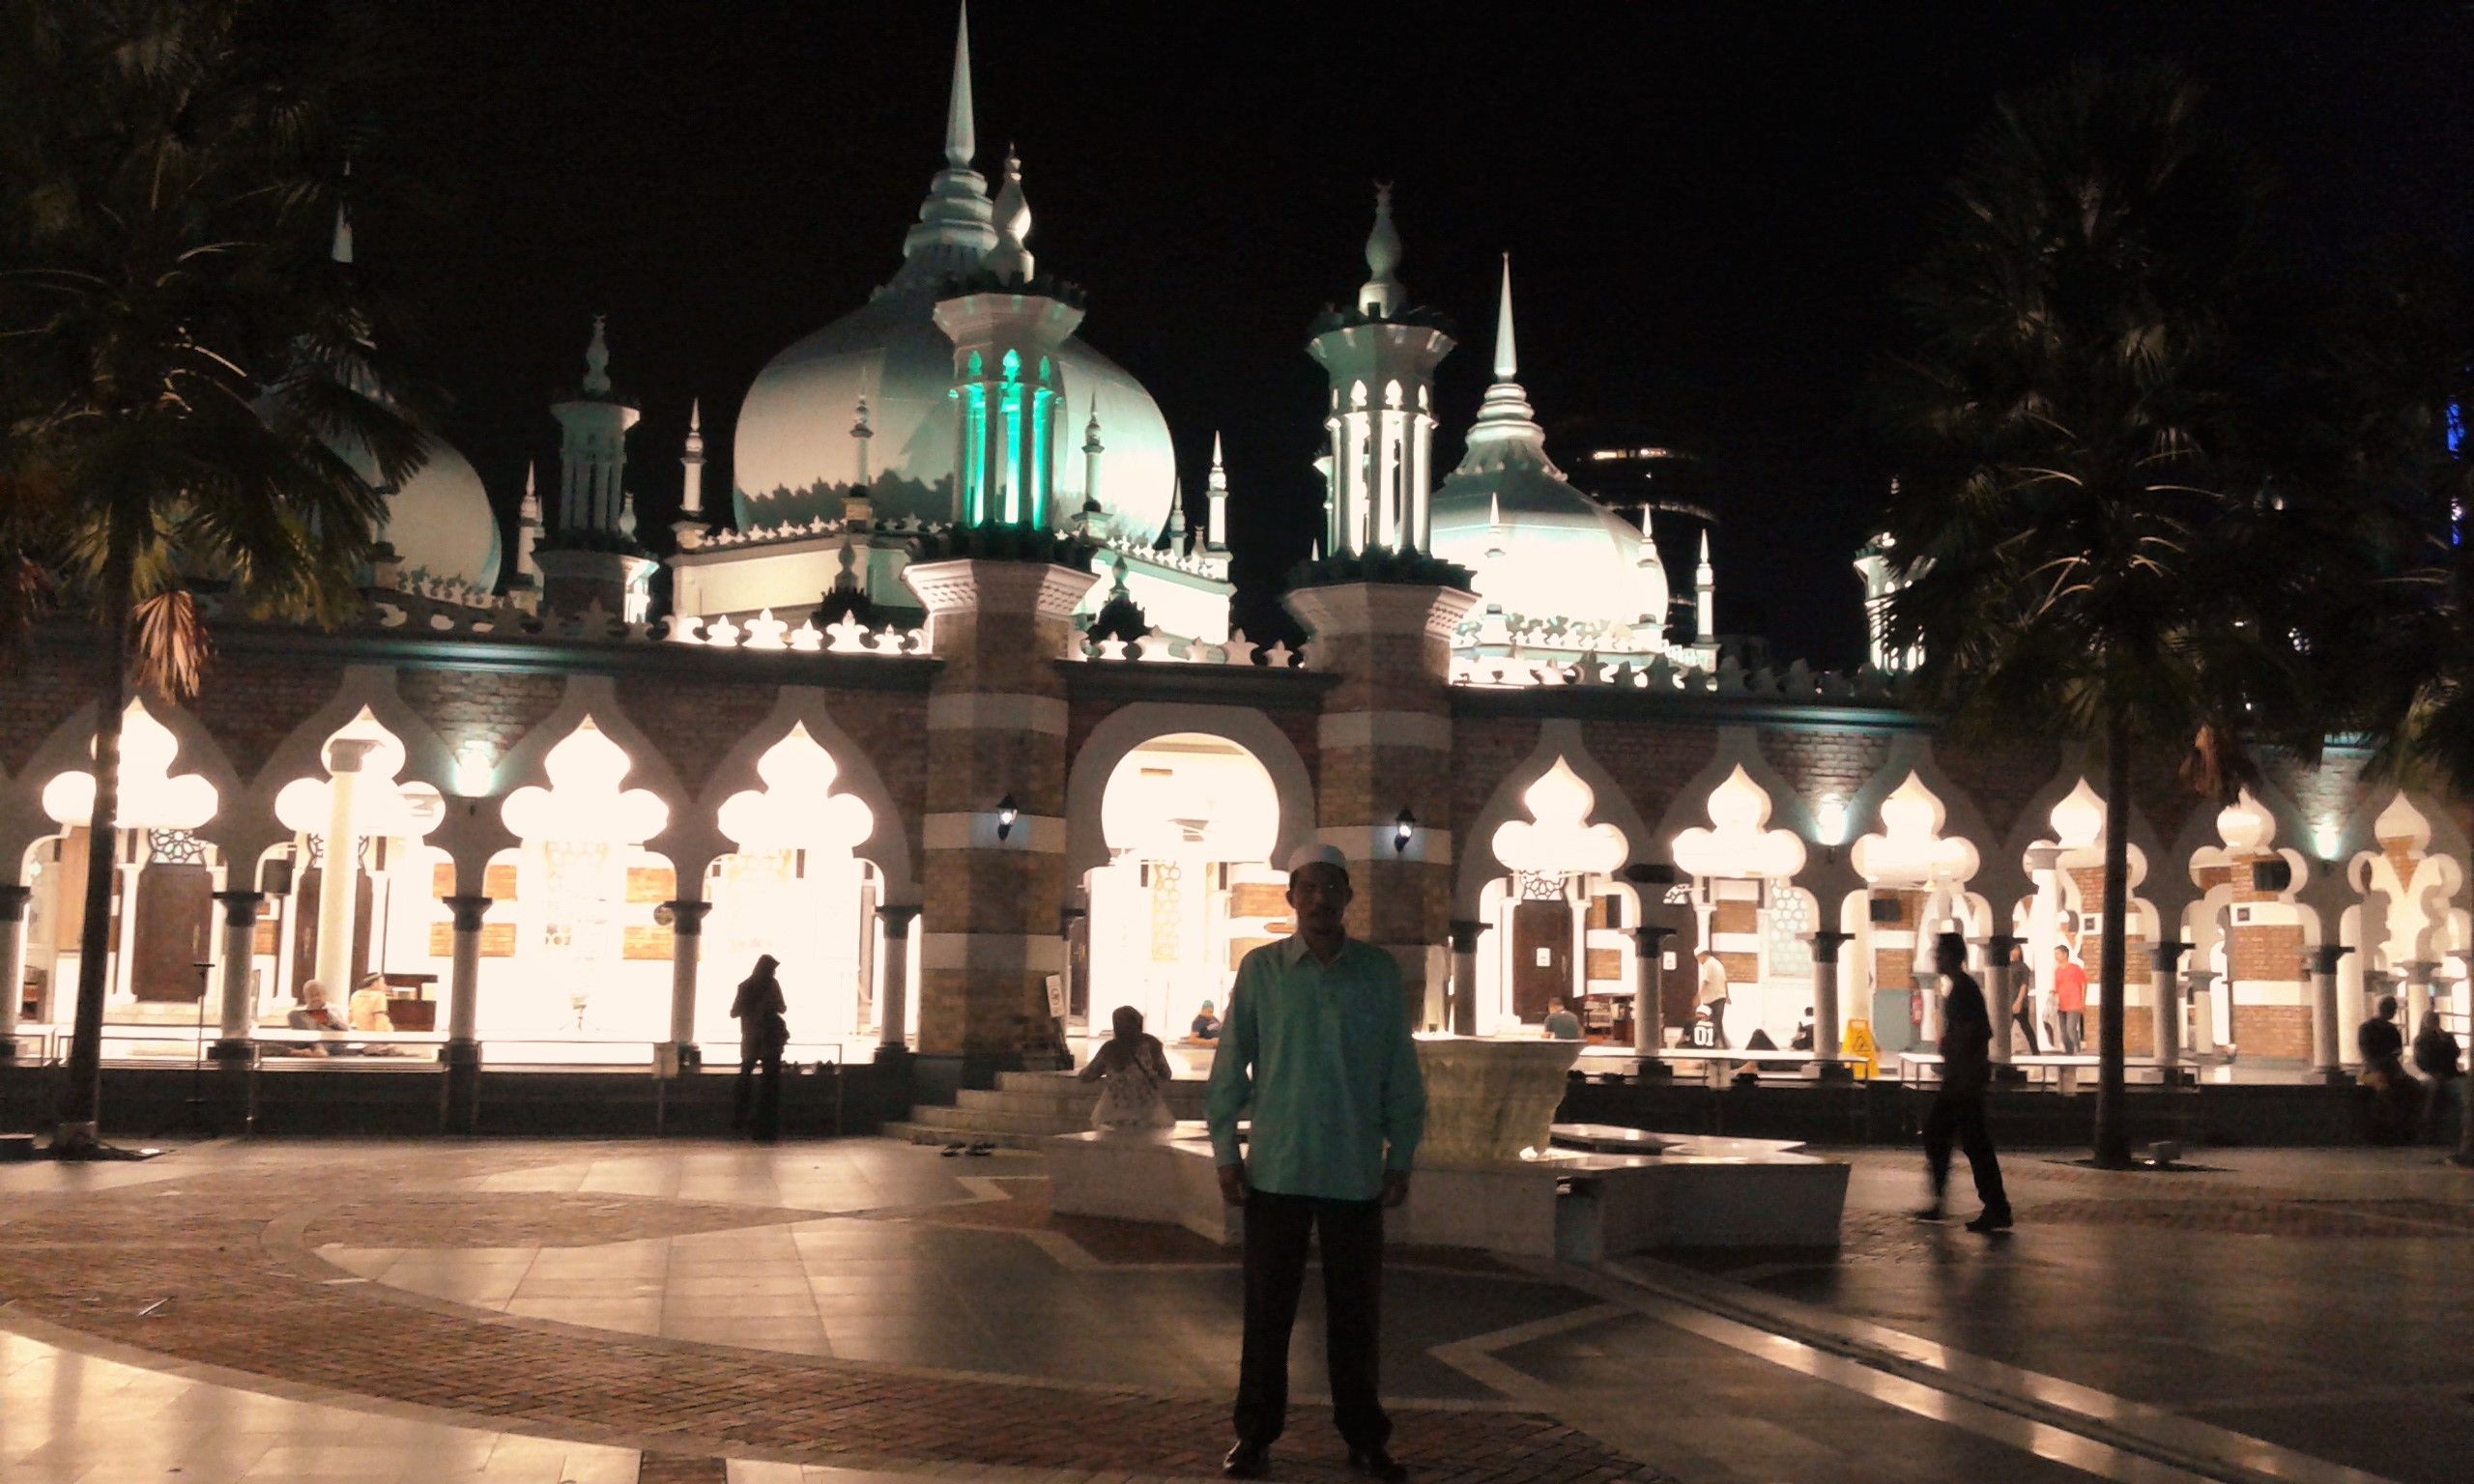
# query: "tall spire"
{"type": "Point", "coordinates": [1506, 357]}
{"type": "Point", "coordinates": [1383, 294]}
{"type": "Point", "coordinates": [1507, 431]}
{"type": "Point", "coordinates": [954, 230]}
{"type": "Point", "coordinates": [961, 144]}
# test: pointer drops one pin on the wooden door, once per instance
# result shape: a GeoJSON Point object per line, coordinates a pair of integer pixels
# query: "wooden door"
{"type": "Point", "coordinates": [304, 935]}
{"type": "Point", "coordinates": [1542, 958]}
{"type": "Point", "coordinates": [175, 921]}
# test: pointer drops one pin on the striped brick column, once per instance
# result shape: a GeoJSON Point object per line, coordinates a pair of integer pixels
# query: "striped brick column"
{"type": "Point", "coordinates": [1386, 746]}
{"type": "Point", "coordinates": [995, 732]}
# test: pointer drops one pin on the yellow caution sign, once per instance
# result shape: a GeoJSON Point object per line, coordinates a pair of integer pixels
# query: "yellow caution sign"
{"type": "Point", "coordinates": [1858, 1046]}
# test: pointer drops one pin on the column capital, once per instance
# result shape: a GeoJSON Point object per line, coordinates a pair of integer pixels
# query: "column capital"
{"type": "Point", "coordinates": [687, 918]}
{"type": "Point", "coordinates": [345, 754]}
{"type": "Point", "coordinates": [1825, 943]}
{"type": "Point", "coordinates": [468, 912]}
{"type": "Point", "coordinates": [12, 901]}
{"type": "Point", "coordinates": [2003, 942]}
{"type": "Point", "coordinates": [240, 908]}
{"type": "Point", "coordinates": [1465, 935]}
{"type": "Point", "coordinates": [2324, 956]}
{"type": "Point", "coordinates": [2420, 971]}
{"type": "Point", "coordinates": [1650, 934]}
{"type": "Point", "coordinates": [897, 918]}
{"type": "Point", "coordinates": [2169, 955]}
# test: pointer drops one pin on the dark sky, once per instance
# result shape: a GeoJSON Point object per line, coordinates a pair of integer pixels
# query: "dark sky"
{"type": "Point", "coordinates": [1707, 206]}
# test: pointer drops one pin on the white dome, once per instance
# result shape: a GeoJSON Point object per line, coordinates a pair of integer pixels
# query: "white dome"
{"type": "Point", "coordinates": [1564, 556]}
{"type": "Point", "coordinates": [441, 523]}
{"type": "Point", "coordinates": [795, 456]}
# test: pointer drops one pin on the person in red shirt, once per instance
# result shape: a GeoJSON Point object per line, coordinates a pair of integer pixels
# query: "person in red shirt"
{"type": "Point", "coordinates": [2069, 999]}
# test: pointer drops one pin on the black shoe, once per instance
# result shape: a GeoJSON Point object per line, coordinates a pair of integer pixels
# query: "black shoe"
{"type": "Point", "coordinates": [1991, 1221]}
{"type": "Point", "coordinates": [1932, 1212]}
{"type": "Point", "coordinates": [950, 1152]}
{"type": "Point", "coordinates": [1376, 1464]}
{"type": "Point", "coordinates": [1246, 1460]}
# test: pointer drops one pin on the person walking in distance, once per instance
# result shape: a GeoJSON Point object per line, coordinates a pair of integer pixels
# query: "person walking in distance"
{"type": "Point", "coordinates": [1713, 993]}
{"type": "Point", "coordinates": [1958, 1104]}
{"type": "Point", "coordinates": [2069, 1000]}
{"type": "Point", "coordinates": [1316, 1049]}
{"type": "Point", "coordinates": [2023, 1002]}
{"type": "Point", "coordinates": [762, 1033]}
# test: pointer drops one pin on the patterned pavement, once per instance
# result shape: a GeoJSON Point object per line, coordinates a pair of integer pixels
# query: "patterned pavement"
{"type": "Point", "coordinates": [705, 1312]}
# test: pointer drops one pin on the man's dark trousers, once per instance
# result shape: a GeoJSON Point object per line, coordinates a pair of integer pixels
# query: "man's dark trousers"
{"type": "Point", "coordinates": [1352, 1239]}
{"type": "Point", "coordinates": [1961, 1112]}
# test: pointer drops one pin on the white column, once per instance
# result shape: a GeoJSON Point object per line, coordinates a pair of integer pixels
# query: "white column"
{"type": "Point", "coordinates": [686, 950]}
{"type": "Point", "coordinates": [1826, 943]}
{"type": "Point", "coordinates": [339, 873]}
{"type": "Point", "coordinates": [2325, 1034]}
{"type": "Point", "coordinates": [1648, 993]}
{"type": "Point", "coordinates": [2167, 1009]}
{"type": "Point", "coordinates": [13, 964]}
{"type": "Point", "coordinates": [124, 965]}
{"type": "Point", "coordinates": [2418, 994]}
{"type": "Point", "coordinates": [464, 973]}
{"type": "Point", "coordinates": [893, 1013]}
{"type": "Point", "coordinates": [239, 1015]}
{"type": "Point", "coordinates": [2000, 989]}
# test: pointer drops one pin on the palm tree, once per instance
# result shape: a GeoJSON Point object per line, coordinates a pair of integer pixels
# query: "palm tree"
{"type": "Point", "coordinates": [187, 396]}
{"type": "Point", "coordinates": [2087, 548]}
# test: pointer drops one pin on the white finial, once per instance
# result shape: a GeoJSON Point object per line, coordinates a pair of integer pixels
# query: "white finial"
{"type": "Point", "coordinates": [1383, 291]}
{"type": "Point", "coordinates": [531, 509]}
{"type": "Point", "coordinates": [1091, 429]}
{"type": "Point", "coordinates": [696, 420]}
{"type": "Point", "coordinates": [960, 143]}
{"type": "Point", "coordinates": [1507, 359]}
{"type": "Point", "coordinates": [1495, 509]}
{"type": "Point", "coordinates": [691, 494]}
{"type": "Point", "coordinates": [1219, 472]}
{"type": "Point", "coordinates": [597, 358]}
{"type": "Point", "coordinates": [1216, 518]}
{"type": "Point", "coordinates": [1705, 548]}
{"type": "Point", "coordinates": [1012, 257]}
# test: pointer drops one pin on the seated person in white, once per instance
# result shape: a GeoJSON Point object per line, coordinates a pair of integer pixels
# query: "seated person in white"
{"type": "Point", "coordinates": [1134, 1096]}
{"type": "Point", "coordinates": [316, 1014]}
{"type": "Point", "coordinates": [368, 1008]}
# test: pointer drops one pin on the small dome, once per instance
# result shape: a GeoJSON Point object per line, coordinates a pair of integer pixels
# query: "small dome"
{"type": "Point", "coordinates": [441, 523]}
{"type": "Point", "coordinates": [795, 456]}
{"type": "Point", "coordinates": [1563, 555]}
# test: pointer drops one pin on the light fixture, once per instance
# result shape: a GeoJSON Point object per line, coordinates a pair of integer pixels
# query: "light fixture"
{"type": "Point", "coordinates": [476, 768]}
{"type": "Point", "coordinates": [2327, 838]}
{"type": "Point", "coordinates": [1829, 823]}
{"type": "Point", "coordinates": [1006, 815]}
{"type": "Point", "coordinates": [1403, 828]}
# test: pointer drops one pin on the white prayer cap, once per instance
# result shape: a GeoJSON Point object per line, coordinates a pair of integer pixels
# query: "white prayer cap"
{"type": "Point", "coordinates": [1317, 855]}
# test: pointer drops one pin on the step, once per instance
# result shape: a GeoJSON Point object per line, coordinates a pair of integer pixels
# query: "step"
{"type": "Point", "coordinates": [15, 1148]}
{"type": "Point", "coordinates": [1040, 1081]}
{"type": "Point", "coordinates": [1078, 1099]}
{"type": "Point", "coordinates": [976, 1121]}
{"type": "Point", "coordinates": [920, 1134]}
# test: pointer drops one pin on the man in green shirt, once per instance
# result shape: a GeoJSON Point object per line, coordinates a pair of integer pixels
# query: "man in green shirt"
{"type": "Point", "coordinates": [1316, 1049]}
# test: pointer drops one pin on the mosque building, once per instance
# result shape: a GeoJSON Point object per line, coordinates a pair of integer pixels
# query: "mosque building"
{"type": "Point", "coordinates": [945, 712]}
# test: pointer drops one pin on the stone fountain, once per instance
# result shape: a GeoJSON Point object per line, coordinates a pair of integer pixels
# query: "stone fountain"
{"type": "Point", "coordinates": [1489, 1099]}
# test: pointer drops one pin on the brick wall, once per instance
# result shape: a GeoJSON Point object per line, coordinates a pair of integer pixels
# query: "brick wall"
{"type": "Point", "coordinates": [250, 702]}
{"type": "Point", "coordinates": [460, 704]}
{"type": "Point", "coordinates": [1818, 762]}
{"type": "Point", "coordinates": [2273, 1029]}
{"type": "Point", "coordinates": [1651, 763]}
{"type": "Point", "coordinates": [42, 689]}
{"type": "Point", "coordinates": [2001, 778]}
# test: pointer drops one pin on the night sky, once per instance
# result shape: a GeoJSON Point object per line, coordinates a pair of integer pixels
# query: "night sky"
{"type": "Point", "coordinates": [1707, 205]}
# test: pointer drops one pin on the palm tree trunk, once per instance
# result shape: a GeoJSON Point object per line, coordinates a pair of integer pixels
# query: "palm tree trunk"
{"type": "Point", "coordinates": [81, 1099]}
{"type": "Point", "coordinates": [2113, 1134]}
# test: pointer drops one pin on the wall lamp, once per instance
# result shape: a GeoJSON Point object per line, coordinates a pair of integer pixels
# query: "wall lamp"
{"type": "Point", "coordinates": [476, 768]}
{"type": "Point", "coordinates": [1403, 827]}
{"type": "Point", "coordinates": [1829, 821]}
{"type": "Point", "coordinates": [1006, 815]}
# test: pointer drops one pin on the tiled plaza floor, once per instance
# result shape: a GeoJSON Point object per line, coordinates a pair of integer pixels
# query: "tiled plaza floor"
{"type": "Point", "coordinates": [856, 1309]}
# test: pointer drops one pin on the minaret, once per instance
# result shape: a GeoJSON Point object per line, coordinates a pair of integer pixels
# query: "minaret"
{"type": "Point", "coordinates": [1215, 531]}
{"type": "Point", "coordinates": [1094, 517]}
{"type": "Point", "coordinates": [1008, 386]}
{"type": "Point", "coordinates": [690, 527]}
{"type": "Point", "coordinates": [1172, 536]}
{"type": "Point", "coordinates": [1380, 361]}
{"type": "Point", "coordinates": [592, 557]}
{"type": "Point", "coordinates": [859, 506]}
{"type": "Point", "coordinates": [1883, 574]}
{"type": "Point", "coordinates": [593, 459]}
{"type": "Point", "coordinates": [956, 227]}
{"type": "Point", "coordinates": [525, 585]}
{"type": "Point", "coordinates": [1705, 597]}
